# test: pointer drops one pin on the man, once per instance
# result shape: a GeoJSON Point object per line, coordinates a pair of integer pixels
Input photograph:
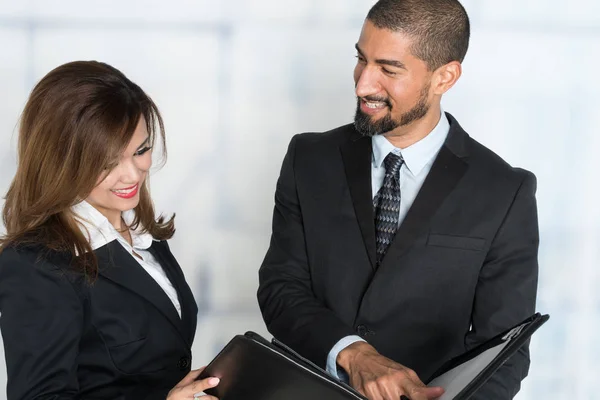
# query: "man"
{"type": "Point", "coordinates": [399, 242]}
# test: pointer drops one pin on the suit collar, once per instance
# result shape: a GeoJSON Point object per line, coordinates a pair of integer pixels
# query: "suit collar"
{"type": "Point", "coordinates": [457, 140]}
{"type": "Point", "coordinates": [189, 309]}
{"type": "Point", "coordinates": [356, 154]}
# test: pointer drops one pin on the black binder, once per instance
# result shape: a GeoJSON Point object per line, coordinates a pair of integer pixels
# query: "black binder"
{"type": "Point", "coordinates": [462, 376]}
{"type": "Point", "coordinates": [252, 368]}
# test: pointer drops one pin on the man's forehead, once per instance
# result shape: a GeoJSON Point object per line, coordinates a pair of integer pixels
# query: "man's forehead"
{"type": "Point", "coordinates": [383, 43]}
{"type": "Point", "coordinates": [383, 38]}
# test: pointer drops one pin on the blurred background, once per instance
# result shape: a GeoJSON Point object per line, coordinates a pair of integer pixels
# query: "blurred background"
{"type": "Point", "coordinates": [235, 79]}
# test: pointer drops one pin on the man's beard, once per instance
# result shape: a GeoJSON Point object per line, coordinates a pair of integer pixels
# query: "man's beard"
{"type": "Point", "coordinates": [367, 127]}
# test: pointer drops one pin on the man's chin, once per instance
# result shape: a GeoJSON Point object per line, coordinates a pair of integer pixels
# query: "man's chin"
{"type": "Point", "coordinates": [370, 126]}
{"type": "Point", "coordinates": [368, 131]}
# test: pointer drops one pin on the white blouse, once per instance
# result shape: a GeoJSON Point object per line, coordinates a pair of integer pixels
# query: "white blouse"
{"type": "Point", "coordinates": [100, 232]}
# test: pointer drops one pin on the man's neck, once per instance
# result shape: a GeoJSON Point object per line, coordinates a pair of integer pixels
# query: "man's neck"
{"type": "Point", "coordinates": [407, 135]}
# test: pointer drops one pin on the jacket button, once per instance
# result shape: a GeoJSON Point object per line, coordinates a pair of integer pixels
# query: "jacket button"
{"type": "Point", "coordinates": [183, 363]}
{"type": "Point", "coordinates": [362, 330]}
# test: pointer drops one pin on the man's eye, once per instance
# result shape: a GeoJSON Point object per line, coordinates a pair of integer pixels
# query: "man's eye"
{"type": "Point", "coordinates": [387, 71]}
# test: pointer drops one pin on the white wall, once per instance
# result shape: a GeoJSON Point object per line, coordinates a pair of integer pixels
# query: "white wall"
{"type": "Point", "coordinates": [236, 79]}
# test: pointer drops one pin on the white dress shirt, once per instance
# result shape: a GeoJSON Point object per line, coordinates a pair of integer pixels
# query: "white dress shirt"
{"type": "Point", "coordinates": [418, 159]}
{"type": "Point", "coordinates": [100, 232]}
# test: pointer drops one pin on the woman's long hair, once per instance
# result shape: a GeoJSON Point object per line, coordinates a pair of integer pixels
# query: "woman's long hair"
{"type": "Point", "coordinates": [77, 122]}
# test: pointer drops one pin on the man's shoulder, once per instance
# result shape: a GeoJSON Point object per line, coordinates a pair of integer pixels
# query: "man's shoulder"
{"type": "Point", "coordinates": [334, 136]}
{"type": "Point", "coordinates": [489, 162]}
{"type": "Point", "coordinates": [481, 159]}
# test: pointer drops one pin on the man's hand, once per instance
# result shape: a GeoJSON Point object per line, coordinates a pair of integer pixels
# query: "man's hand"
{"type": "Point", "coordinates": [380, 378]}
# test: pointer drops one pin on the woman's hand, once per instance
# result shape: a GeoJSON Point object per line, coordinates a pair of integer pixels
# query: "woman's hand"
{"type": "Point", "coordinates": [189, 386]}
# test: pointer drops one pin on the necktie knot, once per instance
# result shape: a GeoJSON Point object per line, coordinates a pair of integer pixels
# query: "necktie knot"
{"type": "Point", "coordinates": [392, 163]}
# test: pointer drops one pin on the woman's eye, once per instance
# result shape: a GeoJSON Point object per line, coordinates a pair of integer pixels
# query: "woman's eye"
{"type": "Point", "coordinates": [142, 151]}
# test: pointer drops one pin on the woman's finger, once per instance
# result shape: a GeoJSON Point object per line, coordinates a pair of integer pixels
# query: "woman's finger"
{"type": "Point", "coordinates": [190, 377]}
{"type": "Point", "coordinates": [199, 386]}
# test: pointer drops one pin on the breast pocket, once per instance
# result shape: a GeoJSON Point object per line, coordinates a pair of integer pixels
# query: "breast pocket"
{"type": "Point", "coordinates": [456, 242]}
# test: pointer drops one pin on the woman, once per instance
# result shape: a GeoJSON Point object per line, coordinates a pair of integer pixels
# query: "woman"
{"type": "Point", "coordinates": [93, 304]}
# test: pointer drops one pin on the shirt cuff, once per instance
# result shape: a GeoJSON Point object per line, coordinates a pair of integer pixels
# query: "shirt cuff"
{"type": "Point", "coordinates": [332, 367]}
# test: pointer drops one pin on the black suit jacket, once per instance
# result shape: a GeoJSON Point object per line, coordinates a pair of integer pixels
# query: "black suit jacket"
{"type": "Point", "coordinates": [461, 269]}
{"type": "Point", "coordinates": [119, 338]}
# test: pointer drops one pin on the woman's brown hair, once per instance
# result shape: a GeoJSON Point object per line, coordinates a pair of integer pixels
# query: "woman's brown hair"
{"type": "Point", "coordinates": [77, 121]}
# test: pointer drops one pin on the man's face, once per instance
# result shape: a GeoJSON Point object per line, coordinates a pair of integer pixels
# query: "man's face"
{"type": "Point", "coordinates": [392, 85]}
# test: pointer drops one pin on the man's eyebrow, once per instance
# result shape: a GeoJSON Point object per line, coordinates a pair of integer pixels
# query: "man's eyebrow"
{"type": "Point", "coordinates": [392, 63]}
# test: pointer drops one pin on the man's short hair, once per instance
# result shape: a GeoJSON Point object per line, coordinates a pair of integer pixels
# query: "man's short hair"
{"type": "Point", "coordinates": [440, 29]}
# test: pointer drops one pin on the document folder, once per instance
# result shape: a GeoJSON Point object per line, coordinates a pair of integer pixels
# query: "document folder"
{"type": "Point", "coordinates": [462, 376]}
{"type": "Point", "coordinates": [252, 368]}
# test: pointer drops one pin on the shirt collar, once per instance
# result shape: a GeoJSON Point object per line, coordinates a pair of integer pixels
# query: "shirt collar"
{"type": "Point", "coordinates": [99, 232]}
{"type": "Point", "coordinates": [418, 154]}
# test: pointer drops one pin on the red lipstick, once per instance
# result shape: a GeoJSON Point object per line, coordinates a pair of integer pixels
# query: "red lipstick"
{"type": "Point", "coordinates": [126, 193]}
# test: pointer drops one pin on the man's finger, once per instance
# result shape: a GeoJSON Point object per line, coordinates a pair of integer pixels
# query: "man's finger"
{"type": "Point", "coordinates": [416, 392]}
{"type": "Point", "coordinates": [413, 391]}
{"type": "Point", "coordinates": [433, 392]}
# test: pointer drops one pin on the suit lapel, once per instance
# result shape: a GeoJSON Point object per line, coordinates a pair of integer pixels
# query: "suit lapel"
{"type": "Point", "coordinates": [117, 265]}
{"type": "Point", "coordinates": [189, 310]}
{"type": "Point", "coordinates": [446, 171]}
{"type": "Point", "coordinates": [357, 156]}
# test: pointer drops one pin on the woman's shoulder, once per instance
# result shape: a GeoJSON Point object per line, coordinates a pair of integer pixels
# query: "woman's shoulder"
{"type": "Point", "coordinates": [32, 273]}
{"type": "Point", "coordinates": [34, 255]}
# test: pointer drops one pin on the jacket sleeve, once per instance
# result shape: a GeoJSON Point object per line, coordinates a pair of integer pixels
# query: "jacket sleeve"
{"type": "Point", "coordinates": [289, 307]}
{"type": "Point", "coordinates": [41, 322]}
{"type": "Point", "coordinates": [507, 287]}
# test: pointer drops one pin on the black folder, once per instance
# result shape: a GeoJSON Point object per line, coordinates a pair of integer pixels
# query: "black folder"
{"type": "Point", "coordinates": [462, 376]}
{"type": "Point", "coordinates": [252, 368]}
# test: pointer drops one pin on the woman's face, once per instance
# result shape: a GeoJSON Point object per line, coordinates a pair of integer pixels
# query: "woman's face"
{"type": "Point", "coordinates": [119, 190]}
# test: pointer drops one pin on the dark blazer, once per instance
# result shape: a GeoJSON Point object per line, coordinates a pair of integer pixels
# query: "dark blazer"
{"type": "Point", "coordinates": [462, 266]}
{"type": "Point", "coordinates": [118, 338]}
